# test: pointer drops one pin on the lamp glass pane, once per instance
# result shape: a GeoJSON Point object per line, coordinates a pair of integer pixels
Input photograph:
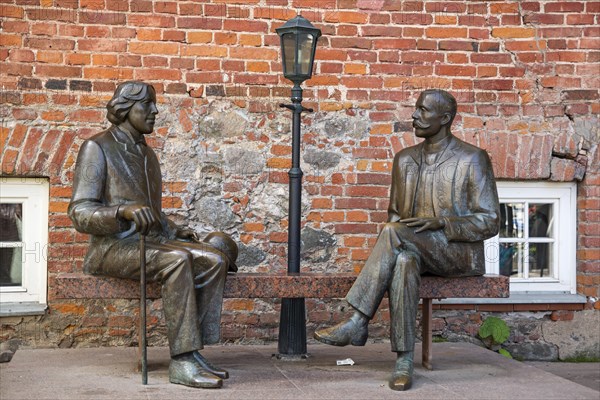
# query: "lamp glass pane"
{"type": "Point", "coordinates": [289, 53]}
{"type": "Point", "coordinates": [305, 44]}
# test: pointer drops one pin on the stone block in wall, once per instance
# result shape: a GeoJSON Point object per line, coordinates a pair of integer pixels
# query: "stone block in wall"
{"type": "Point", "coordinates": [575, 338]}
{"type": "Point", "coordinates": [533, 351]}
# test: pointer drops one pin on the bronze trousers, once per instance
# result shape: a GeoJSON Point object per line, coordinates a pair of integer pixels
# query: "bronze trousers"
{"type": "Point", "coordinates": [192, 276]}
{"type": "Point", "coordinates": [399, 258]}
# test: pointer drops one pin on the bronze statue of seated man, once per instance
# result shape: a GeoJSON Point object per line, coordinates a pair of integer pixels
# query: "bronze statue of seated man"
{"type": "Point", "coordinates": [443, 205]}
{"type": "Point", "coordinates": [117, 194]}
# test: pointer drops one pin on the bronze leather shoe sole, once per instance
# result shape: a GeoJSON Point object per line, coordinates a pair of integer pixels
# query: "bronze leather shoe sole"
{"type": "Point", "coordinates": [343, 334]}
{"type": "Point", "coordinates": [203, 362]}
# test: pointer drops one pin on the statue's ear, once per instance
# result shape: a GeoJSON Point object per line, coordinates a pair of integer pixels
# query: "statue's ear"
{"type": "Point", "coordinates": [446, 118]}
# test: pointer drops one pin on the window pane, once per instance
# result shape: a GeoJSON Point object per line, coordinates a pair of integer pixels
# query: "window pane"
{"type": "Point", "coordinates": [540, 260]}
{"type": "Point", "coordinates": [512, 217]}
{"type": "Point", "coordinates": [10, 222]}
{"type": "Point", "coordinates": [11, 266]}
{"type": "Point", "coordinates": [540, 220]}
{"type": "Point", "coordinates": [10, 231]}
{"type": "Point", "coordinates": [511, 259]}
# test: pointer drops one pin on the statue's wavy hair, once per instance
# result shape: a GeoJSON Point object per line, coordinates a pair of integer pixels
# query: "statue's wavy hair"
{"type": "Point", "coordinates": [126, 95]}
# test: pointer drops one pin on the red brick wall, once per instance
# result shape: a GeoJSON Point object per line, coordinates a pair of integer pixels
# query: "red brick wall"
{"type": "Point", "coordinates": [526, 75]}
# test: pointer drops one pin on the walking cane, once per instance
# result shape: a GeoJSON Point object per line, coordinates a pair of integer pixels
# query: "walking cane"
{"type": "Point", "coordinates": [143, 309]}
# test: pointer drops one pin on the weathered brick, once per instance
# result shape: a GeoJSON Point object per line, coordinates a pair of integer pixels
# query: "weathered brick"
{"type": "Point", "coordinates": [58, 71]}
{"type": "Point", "coordinates": [564, 6]}
{"type": "Point", "coordinates": [10, 40]}
{"type": "Point", "coordinates": [582, 94]}
{"type": "Point", "coordinates": [345, 17]}
{"type": "Point", "coordinates": [395, 44]}
{"type": "Point", "coordinates": [491, 58]}
{"type": "Point", "coordinates": [151, 20]}
{"type": "Point", "coordinates": [356, 43]}
{"type": "Point", "coordinates": [367, 191]}
{"type": "Point", "coordinates": [78, 59]}
{"type": "Point", "coordinates": [102, 18]}
{"type": "Point", "coordinates": [107, 73]}
{"type": "Point", "coordinates": [436, 32]}
{"type": "Point", "coordinates": [157, 74]}
{"type": "Point", "coordinates": [154, 48]}
{"type": "Point", "coordinates": [204, 51]}
{"type": "Point", "coordinates": [244, 26]}
{"type": "Point", "coordinates": [455, 70]}
{"type": "Point", "coordinates": [253, 54]}
{"type": "Point", "coordinates": [46, 44]}
{"type": "Point", "coordinates": [63, 15]}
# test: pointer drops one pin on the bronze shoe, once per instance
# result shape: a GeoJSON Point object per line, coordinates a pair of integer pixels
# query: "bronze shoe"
{"type": "Point", "coordinates": [400, 381]}
{"type": "Point", "coordinates": [402, 376]}
{"type": "Point", "coordinates": [343, 334]}
{"type": "Point", "coordinates": [203, 362]}
{"type": "Point", "coordinates": [186, 371]}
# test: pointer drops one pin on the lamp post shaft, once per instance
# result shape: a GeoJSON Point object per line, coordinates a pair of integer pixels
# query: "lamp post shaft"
{"type": "Point", "coordinates": [295, 174]}
{"type": "Point", "coordinates": [292, 322]}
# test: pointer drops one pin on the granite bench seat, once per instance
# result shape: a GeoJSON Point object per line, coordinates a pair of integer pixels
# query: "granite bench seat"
{"type": "Point", "coordinates": [308, 285]}
{"type": "Point", "coordinates": [261, 285]}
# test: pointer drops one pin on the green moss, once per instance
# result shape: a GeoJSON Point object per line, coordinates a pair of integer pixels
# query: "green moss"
{"type": "Point", "coordinates": [439, 339]}
{"type": "Point", "coordinates": [581, 358]}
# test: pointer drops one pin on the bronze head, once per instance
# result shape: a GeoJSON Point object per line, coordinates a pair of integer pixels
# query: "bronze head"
{"type": "Point", "coordinates": [133, 107]}
{"type": "Point", "coordinates": [434, 112]}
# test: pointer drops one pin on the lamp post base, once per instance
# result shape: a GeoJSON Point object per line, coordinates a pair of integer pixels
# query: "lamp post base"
{"type": "Point", "coordinates": [291, 357]}
{"type": "Point", "coordinates": [292, 329]}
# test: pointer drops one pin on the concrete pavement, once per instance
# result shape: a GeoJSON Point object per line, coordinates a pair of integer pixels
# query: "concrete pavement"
{"type": "Point", "coordinates": [461, 371]}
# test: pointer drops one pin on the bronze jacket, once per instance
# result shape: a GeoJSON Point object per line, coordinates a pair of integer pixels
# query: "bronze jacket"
{"type": "Point", "coordinates": [111, 171]}
{"type": "Point", "coordinates": [465, 194]}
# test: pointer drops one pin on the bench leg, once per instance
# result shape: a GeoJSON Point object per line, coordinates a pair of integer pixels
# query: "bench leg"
{"type": "Point", "coordinates": [426, 333]}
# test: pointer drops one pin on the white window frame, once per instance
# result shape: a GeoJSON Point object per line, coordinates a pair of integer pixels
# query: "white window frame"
{"type": "Point", "coordinates": [33, 194]}
{"type": "Point", "coordinates": [563, 196]}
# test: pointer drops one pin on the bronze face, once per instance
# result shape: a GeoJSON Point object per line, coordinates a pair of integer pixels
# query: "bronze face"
{"type": "Point", "coordinates": [142, 115]}
{"type": "Point", "coordinates": [427, 118]}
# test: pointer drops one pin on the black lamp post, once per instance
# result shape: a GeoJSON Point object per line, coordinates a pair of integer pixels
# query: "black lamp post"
{"type": "Point", "coordinates": [298, 44]}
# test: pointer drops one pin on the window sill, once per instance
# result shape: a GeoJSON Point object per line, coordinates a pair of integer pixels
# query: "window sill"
{"type": "Point", "coordinates": [522, 298]}
{"type": "Point", "coordinates": [22, 309]}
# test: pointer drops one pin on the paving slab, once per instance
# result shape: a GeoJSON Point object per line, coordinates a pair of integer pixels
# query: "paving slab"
{"type": "Point", "coordinates": [461, 371]}
{"type": "Point", "coordinates": [584, 373]}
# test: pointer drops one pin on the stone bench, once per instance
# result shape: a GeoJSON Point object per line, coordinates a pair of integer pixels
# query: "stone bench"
{"type": "Point", "coordinates": [307, 285]}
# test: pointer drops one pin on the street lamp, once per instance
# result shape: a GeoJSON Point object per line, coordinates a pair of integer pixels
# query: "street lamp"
{"type": "Point", "coordinates": [298, 44]}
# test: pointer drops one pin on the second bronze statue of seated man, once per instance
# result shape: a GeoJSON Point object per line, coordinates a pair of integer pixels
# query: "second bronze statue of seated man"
{"type": "Point", "coordinates": [443, 205]}
{"type": "Point", "coordinates": [117, 195]}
